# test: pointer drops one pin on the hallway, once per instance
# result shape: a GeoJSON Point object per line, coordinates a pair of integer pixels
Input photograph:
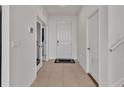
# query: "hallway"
{"type": "Point", "coordinates": [62, 75]}
{"type": "Point", "coordinates": [92, 35]}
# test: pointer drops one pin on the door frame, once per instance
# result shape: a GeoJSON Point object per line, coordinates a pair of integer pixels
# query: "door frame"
{"type": "Point", "coordinates": [57, 34]}
{"type": "Point", "coordinates": [45, 39]}
{"type": "Point", "coordinates": [5, 78]}
{"type": "Point", "coordinates": [40, 64]}
{"type": "Point", "coordinates": [87, 43]}
{"type": "Point", "coordinates": [46, 29]}
{"type": "Point", "coordinates": [0, 43]}
{"type": "Point", "coordinates": [40, 33]}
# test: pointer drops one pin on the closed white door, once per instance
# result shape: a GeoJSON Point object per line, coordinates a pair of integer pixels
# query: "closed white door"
{"type": "Point", "coordinates": [64, 39]}
{"type": "Point", "coordinates": [93, 36]}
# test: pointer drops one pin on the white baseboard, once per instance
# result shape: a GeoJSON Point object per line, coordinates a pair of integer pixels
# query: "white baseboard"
{"type": "Point", "coordinates": [47, 59]}
{"type": "Point", "coordinates": [119, 83]}
{"type": "Point", "coordinates": [84, 68]}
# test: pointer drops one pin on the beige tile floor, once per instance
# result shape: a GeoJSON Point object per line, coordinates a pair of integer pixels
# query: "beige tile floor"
{"type": "Point", "coordinates": [62, 75]}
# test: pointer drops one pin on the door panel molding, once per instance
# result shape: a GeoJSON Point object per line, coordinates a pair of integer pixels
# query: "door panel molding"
{"type": "Point", "coordinates": [63, 38]}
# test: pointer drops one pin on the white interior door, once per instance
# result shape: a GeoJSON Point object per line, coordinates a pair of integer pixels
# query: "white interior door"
{"type": "Point", "coordinates": [93, 36]}
{"type": "Point", "coordinates": [39, 41]}
{"type": "Point", "coordinates": [39, 44]}
{"type": "Point", "coordinates": [64, 39]}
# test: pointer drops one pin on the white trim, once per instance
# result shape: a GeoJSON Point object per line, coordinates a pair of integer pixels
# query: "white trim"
{"type": "Point", "coordinates": [117, 44]}
{"type": "Point", "coordinates": [5, 46]}
{"type": "Point", "coordinates": [119, 83]}
{"type": "Point", "coordinates": [47, 42]}
{"type": "Point", "coordinates": [87, 46]}
{"type": "Point", "coordinates": [87, 42]}
{"type": "Point", "coordinates": [40, 64]}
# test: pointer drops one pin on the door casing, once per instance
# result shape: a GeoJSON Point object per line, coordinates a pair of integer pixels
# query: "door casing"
{"type": "Point", "coordinates": [39, 43]}
{"type": "Point", "coordinates": [88, 51]}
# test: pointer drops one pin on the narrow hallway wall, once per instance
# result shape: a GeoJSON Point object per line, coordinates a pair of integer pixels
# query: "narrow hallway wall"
{"type": "Point", "coordinates": [84, 13]}
{"type": "Point", "coordinates": [116, 33]}
{"type": "Point", "coordinates": [23, 69]}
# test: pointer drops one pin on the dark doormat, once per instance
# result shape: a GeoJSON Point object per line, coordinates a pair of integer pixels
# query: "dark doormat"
{"type": "Point", "coordinates": [64, 61]}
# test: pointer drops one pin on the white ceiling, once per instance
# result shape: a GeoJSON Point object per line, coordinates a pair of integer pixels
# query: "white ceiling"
{"type": "Point", "coordinates": [62, 9]}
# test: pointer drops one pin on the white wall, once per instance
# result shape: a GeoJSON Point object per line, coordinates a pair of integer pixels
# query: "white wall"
{"type": "Point", "coordinates": [23, 44]}
{"type": "Point", "coordinates": [23, 55]}
{"type": "Point", "coordinates": [116, 33]}
{"type": "Point", "coordinates": [84, 13]}
{"type": "Point", "coordinates": [52, 35]}
{"type": "Point", "coordinates": [5, 46]}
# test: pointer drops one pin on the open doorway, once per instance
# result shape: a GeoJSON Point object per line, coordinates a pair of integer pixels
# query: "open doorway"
{"type": "Point", "coordinates": [41, 43]}
{"type": "Point", "coordinates": [44, 43]}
